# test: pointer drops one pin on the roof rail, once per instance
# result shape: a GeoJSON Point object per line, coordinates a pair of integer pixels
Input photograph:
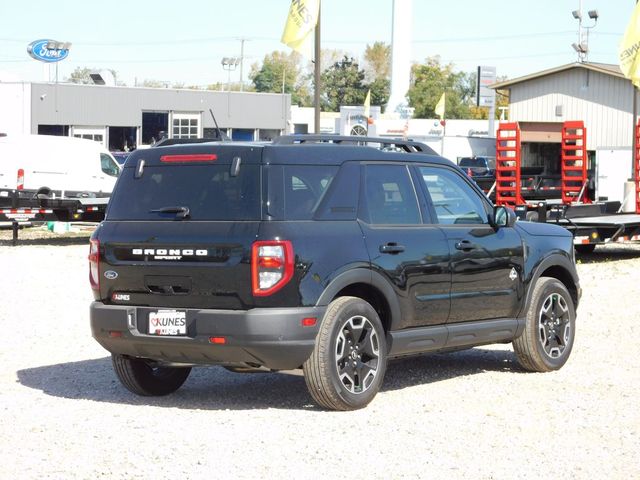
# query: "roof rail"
{"type": "Point", "coordinates": [409, 146]}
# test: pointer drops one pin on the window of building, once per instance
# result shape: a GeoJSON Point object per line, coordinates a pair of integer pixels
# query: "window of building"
{"type": "Point", "coordinates": [154, 127]}
{"type": "Point", "coordinates": [185, 125]}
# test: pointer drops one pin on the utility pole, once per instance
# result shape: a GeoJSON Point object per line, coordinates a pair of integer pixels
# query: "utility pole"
{"type": "Point", "coordinates": [242, 40]}
{"type": "Point", "coordinates": [316, 75]}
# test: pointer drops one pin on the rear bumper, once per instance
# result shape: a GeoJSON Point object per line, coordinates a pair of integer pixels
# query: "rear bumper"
{"type": "Point", "coordinates": [270, 337]}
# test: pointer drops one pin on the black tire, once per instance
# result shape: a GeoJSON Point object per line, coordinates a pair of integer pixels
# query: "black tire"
{"type": "Point", "coordinates": [585, 249]}
{"type": "Point", "coordinates": [351, 340]}
{"type": "Point", "coordinates": [139, 377]}
{"type": "Point", "coordinates": [550, 328]}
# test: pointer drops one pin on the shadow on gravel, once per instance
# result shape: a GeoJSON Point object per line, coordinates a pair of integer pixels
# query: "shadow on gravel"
{"type": "Point", "coordinates": [610, 254]}
{"type": "Point", "coordinates": [214, 388]}
{"type": "Point", "coordinates": [51, 241]}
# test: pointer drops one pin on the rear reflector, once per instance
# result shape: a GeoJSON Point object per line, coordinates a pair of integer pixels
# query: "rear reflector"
{"type": "Point", "coordinates": [115, 334]}
{"type": "Point", "coordinates": [20, 180]}
{"type": "Point", "coordinates": [196, 157]}
{"type": "Point", "coordinates": [218, 340]}
{"type": "Point", "coordinates": [309, 322]}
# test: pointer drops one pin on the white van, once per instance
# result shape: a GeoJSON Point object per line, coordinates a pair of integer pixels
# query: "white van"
{"type": "Point", "coordinates": [56, 166]}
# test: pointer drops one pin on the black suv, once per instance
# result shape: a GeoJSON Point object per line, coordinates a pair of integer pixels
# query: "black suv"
{"type": "Point", "coordinates": [320, 253]}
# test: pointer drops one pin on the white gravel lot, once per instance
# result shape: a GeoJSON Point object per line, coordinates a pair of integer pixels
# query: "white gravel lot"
{"type": "Point", "coordinates": [471, 414]}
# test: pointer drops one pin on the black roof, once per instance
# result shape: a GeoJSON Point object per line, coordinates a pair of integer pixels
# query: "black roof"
{"type": "Point", "coordinates": [300, 150]}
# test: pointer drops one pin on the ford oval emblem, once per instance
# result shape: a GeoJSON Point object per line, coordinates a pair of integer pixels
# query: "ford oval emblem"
{"type": "Point", "coordinates": [110, 275]}
{"type": "Point", "coordinates": [48, 50]}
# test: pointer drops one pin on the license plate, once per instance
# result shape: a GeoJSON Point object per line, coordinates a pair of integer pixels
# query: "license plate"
{"type": "Point", "coordinates": [168, 322]}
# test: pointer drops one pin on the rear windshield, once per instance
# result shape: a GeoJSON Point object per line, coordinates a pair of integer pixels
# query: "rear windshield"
{"type": "Point", "coordinates": [473, 162]}
{"type": "Point", "coordinates": [209, 192]}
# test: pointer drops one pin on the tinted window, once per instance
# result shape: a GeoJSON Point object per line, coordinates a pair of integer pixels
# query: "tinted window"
{"type": "Point", "coordinates": [208, 191]}
{"type": "Point", "coordinates": [453, 199]}
{"type": "Point", "coordinates": [389, 196]}
{"type": "Point", "coordinates": [109, 165]}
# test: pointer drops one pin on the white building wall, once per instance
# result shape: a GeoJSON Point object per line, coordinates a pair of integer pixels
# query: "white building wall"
{"type": "Point", "coordinates": [15, 108]}
{"type": "Point", "coordinates": [603, 102]}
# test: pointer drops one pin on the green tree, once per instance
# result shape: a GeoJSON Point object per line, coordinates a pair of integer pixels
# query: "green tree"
{"type": "Point", "coordinates": [280, 69]}
{"type": "Point", "coordinates": [343, 84]}
{"type": "Point", "coordinates": [430, 80]}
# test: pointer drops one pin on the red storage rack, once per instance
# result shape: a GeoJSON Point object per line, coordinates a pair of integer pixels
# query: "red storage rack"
{"type": "Point", "coordinates": [508, 161]}
{"type": "Point", "coordinates": [574, 163]}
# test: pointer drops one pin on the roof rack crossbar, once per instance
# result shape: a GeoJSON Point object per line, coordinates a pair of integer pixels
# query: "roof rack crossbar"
{"type": "Point", "coordinates": [409, 146]}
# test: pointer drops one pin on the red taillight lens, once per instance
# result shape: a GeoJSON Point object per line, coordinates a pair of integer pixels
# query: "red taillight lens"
{"type": "Point", "coordinates": [94, 264]}
{"type": "Point", "coordinates": [271, 266]}
{"type": "Point", "coordinates": [20, 180]}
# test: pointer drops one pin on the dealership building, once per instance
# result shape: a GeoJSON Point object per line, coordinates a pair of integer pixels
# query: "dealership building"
{"type": "Point", "coordinates": [123, 118]}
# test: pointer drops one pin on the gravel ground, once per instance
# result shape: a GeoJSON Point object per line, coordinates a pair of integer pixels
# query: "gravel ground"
{"type": "Point", "coordinates": [471, 414]}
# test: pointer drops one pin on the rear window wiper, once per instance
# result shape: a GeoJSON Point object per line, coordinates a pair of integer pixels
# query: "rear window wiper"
{"type": "Point", "coordinates": [181, 212]}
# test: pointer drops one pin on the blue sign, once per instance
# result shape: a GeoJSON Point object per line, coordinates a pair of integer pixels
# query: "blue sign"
{"type": "Point", "coordinates": [48, 50]}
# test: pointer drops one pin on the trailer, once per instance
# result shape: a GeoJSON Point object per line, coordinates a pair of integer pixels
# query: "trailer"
{"type": "Point", "coordinates": [584, 204]}
{"type": "Point", "coordinates": [20, 207]}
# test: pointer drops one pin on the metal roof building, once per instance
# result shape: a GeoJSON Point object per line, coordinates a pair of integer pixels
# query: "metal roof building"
{"type": "Point", "coordinates": [595, 93]}
{"type": "Point", "coordinates": [126, 117]}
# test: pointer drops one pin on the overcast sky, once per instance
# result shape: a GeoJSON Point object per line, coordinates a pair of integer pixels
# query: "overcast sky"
{"type": "Point", "coordinates": [185, 41]}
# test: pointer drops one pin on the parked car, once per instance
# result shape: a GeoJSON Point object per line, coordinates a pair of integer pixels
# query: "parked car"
{"type": "Point", "coordinates": [478, 166]}
{"type": "Point", "coordinates": [321, 254]}
{"type": "Point", "coordinates": [56, 166]}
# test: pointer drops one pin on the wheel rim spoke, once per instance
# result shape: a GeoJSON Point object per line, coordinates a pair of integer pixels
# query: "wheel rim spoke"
{"type": "Point", "coordinates": [357, 353]}
{"type": "Point", "coordinates": [554, 325]}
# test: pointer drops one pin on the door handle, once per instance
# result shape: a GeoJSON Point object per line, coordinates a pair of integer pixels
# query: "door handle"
{"type": "Point", "coordinates": [466, 246]}
{"type": "Point", "coordinates": [392, 248]}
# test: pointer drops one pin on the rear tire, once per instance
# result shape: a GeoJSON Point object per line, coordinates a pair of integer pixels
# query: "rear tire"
{"type": "Point", "coordinates": [550, 328]}
{"type": "Point", "coordinates": [349, 360]}
{"type": "Point", "coordinates": [139, 377]}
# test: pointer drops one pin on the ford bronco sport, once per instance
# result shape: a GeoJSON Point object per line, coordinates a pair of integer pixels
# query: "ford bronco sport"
{"type": "Point", "coordinates": [321, 253]}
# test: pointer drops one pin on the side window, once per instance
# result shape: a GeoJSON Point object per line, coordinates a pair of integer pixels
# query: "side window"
{"type": "Point", "coordinates": [389, 196]}
{"type": "Point", "coordinates": [109, 165]}
{"type": "Point", "coordinates": [304, 188]}
{"type": "Point", "coordinates": [454, 201]}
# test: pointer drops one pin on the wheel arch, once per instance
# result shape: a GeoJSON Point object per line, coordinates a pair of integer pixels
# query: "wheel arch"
{"type": "Point", "coordinates": [369, 286]}
{"type": "Point", "coordinates": [558, 267]}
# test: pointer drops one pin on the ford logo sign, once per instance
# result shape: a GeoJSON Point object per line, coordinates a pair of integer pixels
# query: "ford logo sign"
{"type": "Point", "coordinates": [48, 50]}
{"type": "Point", "coordinates": [110, 275]}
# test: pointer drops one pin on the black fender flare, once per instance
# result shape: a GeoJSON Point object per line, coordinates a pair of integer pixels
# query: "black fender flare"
{"type": "Point", "coordinates": [368, 277]}
{"type": "Point", "coordinates": [553, 260]}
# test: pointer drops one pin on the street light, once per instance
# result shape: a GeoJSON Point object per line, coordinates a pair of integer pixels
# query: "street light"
{"type": "Point", "coordinates": [582, 46]}
{"type": "Point", "coordinates": [230, 64]}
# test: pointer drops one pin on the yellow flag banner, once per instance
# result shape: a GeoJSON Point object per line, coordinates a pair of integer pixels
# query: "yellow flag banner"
{"type": "Point", "coordinates": [630, 48]}
{"type": "Point", "coordinates": [298, 32]}
{"type": "Point", "coordinates": [440, 107]}
{"type": "Point", "coordinates": [367, 104]}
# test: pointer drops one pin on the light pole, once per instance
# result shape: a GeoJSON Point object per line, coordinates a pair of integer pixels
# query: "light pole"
{"type": "Point", "coordinates": [582, 47]}
{"type": "Point", "coordinates": [230, 64]}
{"type": "Point", "coordinates": [56, 48]}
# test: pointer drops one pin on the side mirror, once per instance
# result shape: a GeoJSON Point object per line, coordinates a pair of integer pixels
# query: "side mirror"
{"type": "Point", "coordinates": [503, 217]}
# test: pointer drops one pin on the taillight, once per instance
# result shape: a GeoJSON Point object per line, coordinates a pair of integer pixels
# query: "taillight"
{"type": "Point", "coordinates": [271, 266]}
{"type": "Point", "coordinates": [94, 264]}
{"type": "Point", "coordinates": [20, 180]}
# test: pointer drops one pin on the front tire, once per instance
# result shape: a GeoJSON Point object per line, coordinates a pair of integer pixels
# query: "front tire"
{"type": "Point", "coordinates": [139, 377]}
{"type": "Point", "coordinates": [349, 360]}
{"type": "Point", "coordinates": [550, 328]}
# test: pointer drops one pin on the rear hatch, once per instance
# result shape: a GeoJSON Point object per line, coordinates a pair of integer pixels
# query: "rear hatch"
{"type": "Point", "coordinates": [180, 226]}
